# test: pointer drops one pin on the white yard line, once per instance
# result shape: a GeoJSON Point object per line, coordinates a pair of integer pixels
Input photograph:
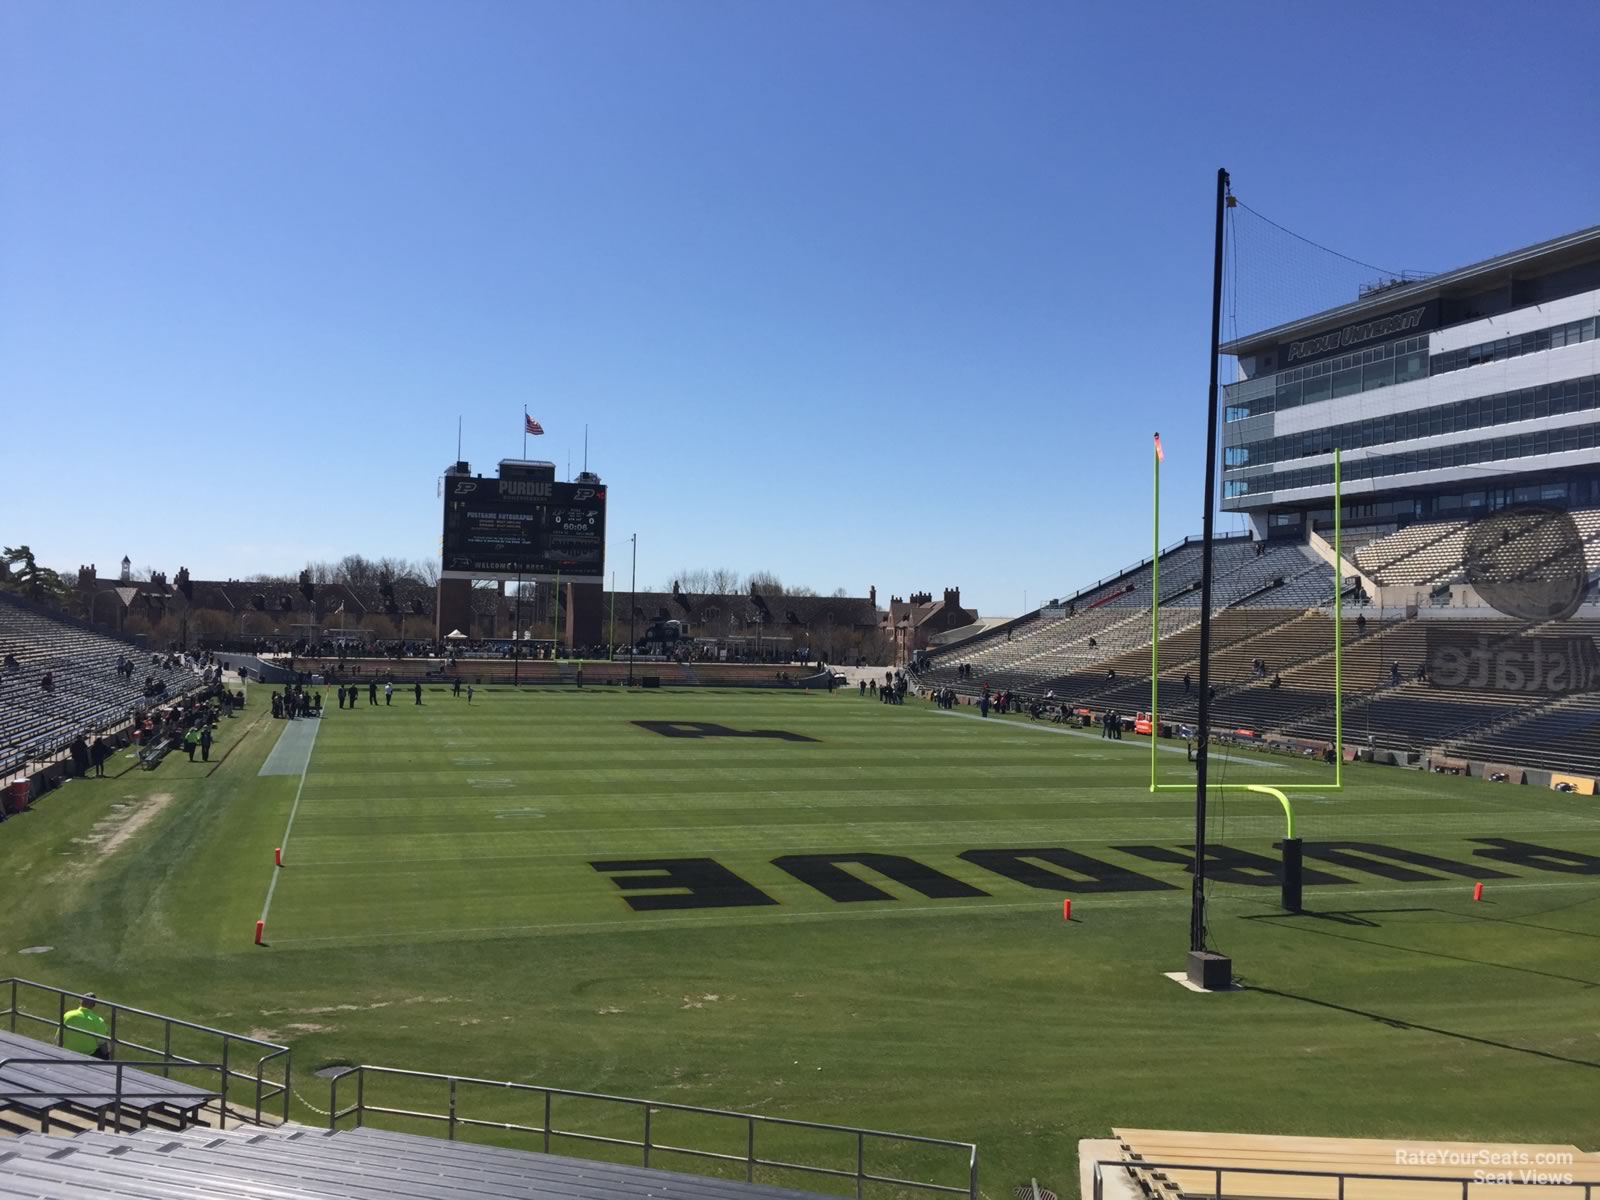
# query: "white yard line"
{"type": "Point", "coordinates": [1048, 904]}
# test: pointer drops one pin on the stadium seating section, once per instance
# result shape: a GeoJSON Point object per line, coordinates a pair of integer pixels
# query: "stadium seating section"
{"type": "Point", "coordinates": [1273, 625]}
{"type": "Point", "coordinates": [88, 696]}
{"type": "Point", "coordinates": [317, 1164]}
{"type": "Point", "coordinates": [1312, 1165]}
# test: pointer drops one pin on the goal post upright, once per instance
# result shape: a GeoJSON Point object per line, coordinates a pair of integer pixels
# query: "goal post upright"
{"type": "Point", "coordinates": [1155, 600]}
{"type": "Point", "coordinates": [1264, 787]}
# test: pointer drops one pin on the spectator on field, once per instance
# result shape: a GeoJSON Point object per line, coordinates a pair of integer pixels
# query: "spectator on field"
{"type": "Point", "coordinates": [418, 690]}
{"type": "Point", "coordinates": [98, 753]}
{"type": "Point", "coordinates": [983, 704]}
{"type": "Point", "coordinates": [388, 694]}
{"type": "Point", "coordinates": [84, 1031]}
{"type": "Point", "coordinates": [469, 693]}
{"type": "Point", "coordinates": [79, 750]}
{"type": "Point", "coordinates": [205, 744]}
{"type": "Point", "coordinates": [372, 691]}
{"type": "Point", "coordinates": [191, 742]}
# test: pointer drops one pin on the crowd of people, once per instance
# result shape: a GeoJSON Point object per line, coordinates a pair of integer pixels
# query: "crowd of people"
{"type": "Point", "coordinates": [891, 691]}
{"type": "Point", "coordinates": [189, 723]}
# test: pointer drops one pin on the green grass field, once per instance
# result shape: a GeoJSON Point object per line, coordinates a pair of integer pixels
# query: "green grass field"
{"type": "Point", "coordinates": [440, 911]}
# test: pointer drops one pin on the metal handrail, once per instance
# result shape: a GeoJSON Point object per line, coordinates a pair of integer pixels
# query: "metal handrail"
{"type": "Point", "coordinates": [1465, 1182]}
{"type": "Point", "coordinates": [648, 1143]}
{"type": "Point", "coordinates": [265, 1089]}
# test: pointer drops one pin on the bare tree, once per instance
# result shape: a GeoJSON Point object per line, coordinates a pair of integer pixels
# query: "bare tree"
{"type": "Point", "coordinates": [391, 568]}
{"type": "Point", "coordinates": [425, 570]}
{"type": "Point", "coordinates": [696, 581]}
{"type": "Point", "coordinates": [356, 570]}
{"type": "Point", "coordinates": [765, 582]}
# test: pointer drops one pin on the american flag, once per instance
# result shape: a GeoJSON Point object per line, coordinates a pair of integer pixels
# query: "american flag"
{"type": "Point", "coordinates": [529, 425]}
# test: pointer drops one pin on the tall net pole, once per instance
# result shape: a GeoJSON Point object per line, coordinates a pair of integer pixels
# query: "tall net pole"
{"type": "Point", "coordinates": [1197, 902]}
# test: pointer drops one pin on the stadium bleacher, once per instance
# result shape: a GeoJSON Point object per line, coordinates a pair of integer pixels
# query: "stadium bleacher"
{"type": "Point", "coordinates": [45, 1083]}
{"type": "Point", "coordinates": [89, 695]}
{"type": "Point", "coordinates": [1219, 1165]}
{"type": "Point", "coordinates": [363, 1164]}
{"type": "Point", "coordinates": [1273, 608]}
{"type": "Point", "coordinates": [1038, 652]}
{"type": "Point", "coordinates": [1433, 551]}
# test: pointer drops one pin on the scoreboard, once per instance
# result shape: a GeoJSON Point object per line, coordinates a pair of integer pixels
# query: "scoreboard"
{"type": "Point", "coordinates": [525, 529]}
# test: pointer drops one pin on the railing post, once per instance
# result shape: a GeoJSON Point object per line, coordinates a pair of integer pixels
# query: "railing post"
{"type": "Point", "coordinates": [261, 1067]}
{"type": "Point", "coordinates": [288, 1075]}
{"type": "Point", "coordinates": [547, 1121]}
{"type": "Point", "coordinates": [1218, 1192]}
{"type": "Point", "coordinates": [361, 1095]}
{"type": "Point", "coordinates": [13, 1004]}
{"type": "Point", "coordinates": [1341, 1188]}
{"type": "Point", "coordinates": [452, 1124]}
{"type": "Point", "coordinates": [1099, 1184]}
{"type": "Point", "coordinates": [750, 1150]}
{"type": "Point", "coordinates": [61, 1016]}
{"type": "Point", "coordinates": [860, 1155]}
{"type": "Point", "coordinates": [166, 1049]}
{"type": "Point", "coordinates": [972, 1176]}
{"type": "Point", "coordinates": [115, 1009]}
{"type": "Point", "coordinates": [647, 1134]}
{"type": "Point", "coordinates": [333, 1101]}
{"type": "Point", "coordinates": [224, 1086]}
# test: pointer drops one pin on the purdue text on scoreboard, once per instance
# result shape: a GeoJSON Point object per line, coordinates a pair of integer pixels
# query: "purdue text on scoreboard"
{"type": "Point", "coordinates": [527, 529]}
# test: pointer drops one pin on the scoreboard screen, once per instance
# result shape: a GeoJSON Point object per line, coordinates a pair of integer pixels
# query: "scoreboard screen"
{"type": "Point", "coordinates": [521, 528]}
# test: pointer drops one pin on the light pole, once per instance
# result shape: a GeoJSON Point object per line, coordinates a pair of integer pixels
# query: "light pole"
{"type": "Point", "coordinates": [516, 621]}
{"type": "Point", "coordinates": [633, 607]}
{"type": "Point", "coordinates": [611, 638]}
{"type": "Point", "coordinates": [555, 620]}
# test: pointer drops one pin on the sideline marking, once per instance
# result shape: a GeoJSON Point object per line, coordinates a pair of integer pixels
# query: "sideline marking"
{"type": "Point", "coordinates": [1048, 906]}
{"type": "Point", "coordinates": [293, 748]}
{"type": "Point", "coordinates": [294, 808]}
{"type": "Point", "coordinates": [1290, 765]}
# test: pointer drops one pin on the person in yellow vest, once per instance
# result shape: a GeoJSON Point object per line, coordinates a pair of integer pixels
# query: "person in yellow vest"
{"type": "Point", "coordinates": [84, 1030]}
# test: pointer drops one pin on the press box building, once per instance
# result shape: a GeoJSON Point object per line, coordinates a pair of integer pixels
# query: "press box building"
{"type": "Point", "coordinates": [1458, 394]}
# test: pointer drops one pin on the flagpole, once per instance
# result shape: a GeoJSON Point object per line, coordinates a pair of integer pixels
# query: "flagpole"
{"type": "Point", "coordinates": [612, 639]}
{"type": "Point", "coordinates": [586, 449]}
{"type": "Point", "coordinates": [524, 431]}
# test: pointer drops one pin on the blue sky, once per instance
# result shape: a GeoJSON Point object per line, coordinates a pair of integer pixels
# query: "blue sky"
{"type": "Point", "coordinates": [860, 293]}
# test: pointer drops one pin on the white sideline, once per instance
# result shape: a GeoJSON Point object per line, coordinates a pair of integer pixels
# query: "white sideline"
{"type": "Point", "coordinates": [1078, 733]}
{"type": "Point", "coordinates": [293, 809]}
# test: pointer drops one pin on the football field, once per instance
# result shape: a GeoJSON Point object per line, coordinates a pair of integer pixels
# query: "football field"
{"type": "Point", "coordinates": [822, 907]}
